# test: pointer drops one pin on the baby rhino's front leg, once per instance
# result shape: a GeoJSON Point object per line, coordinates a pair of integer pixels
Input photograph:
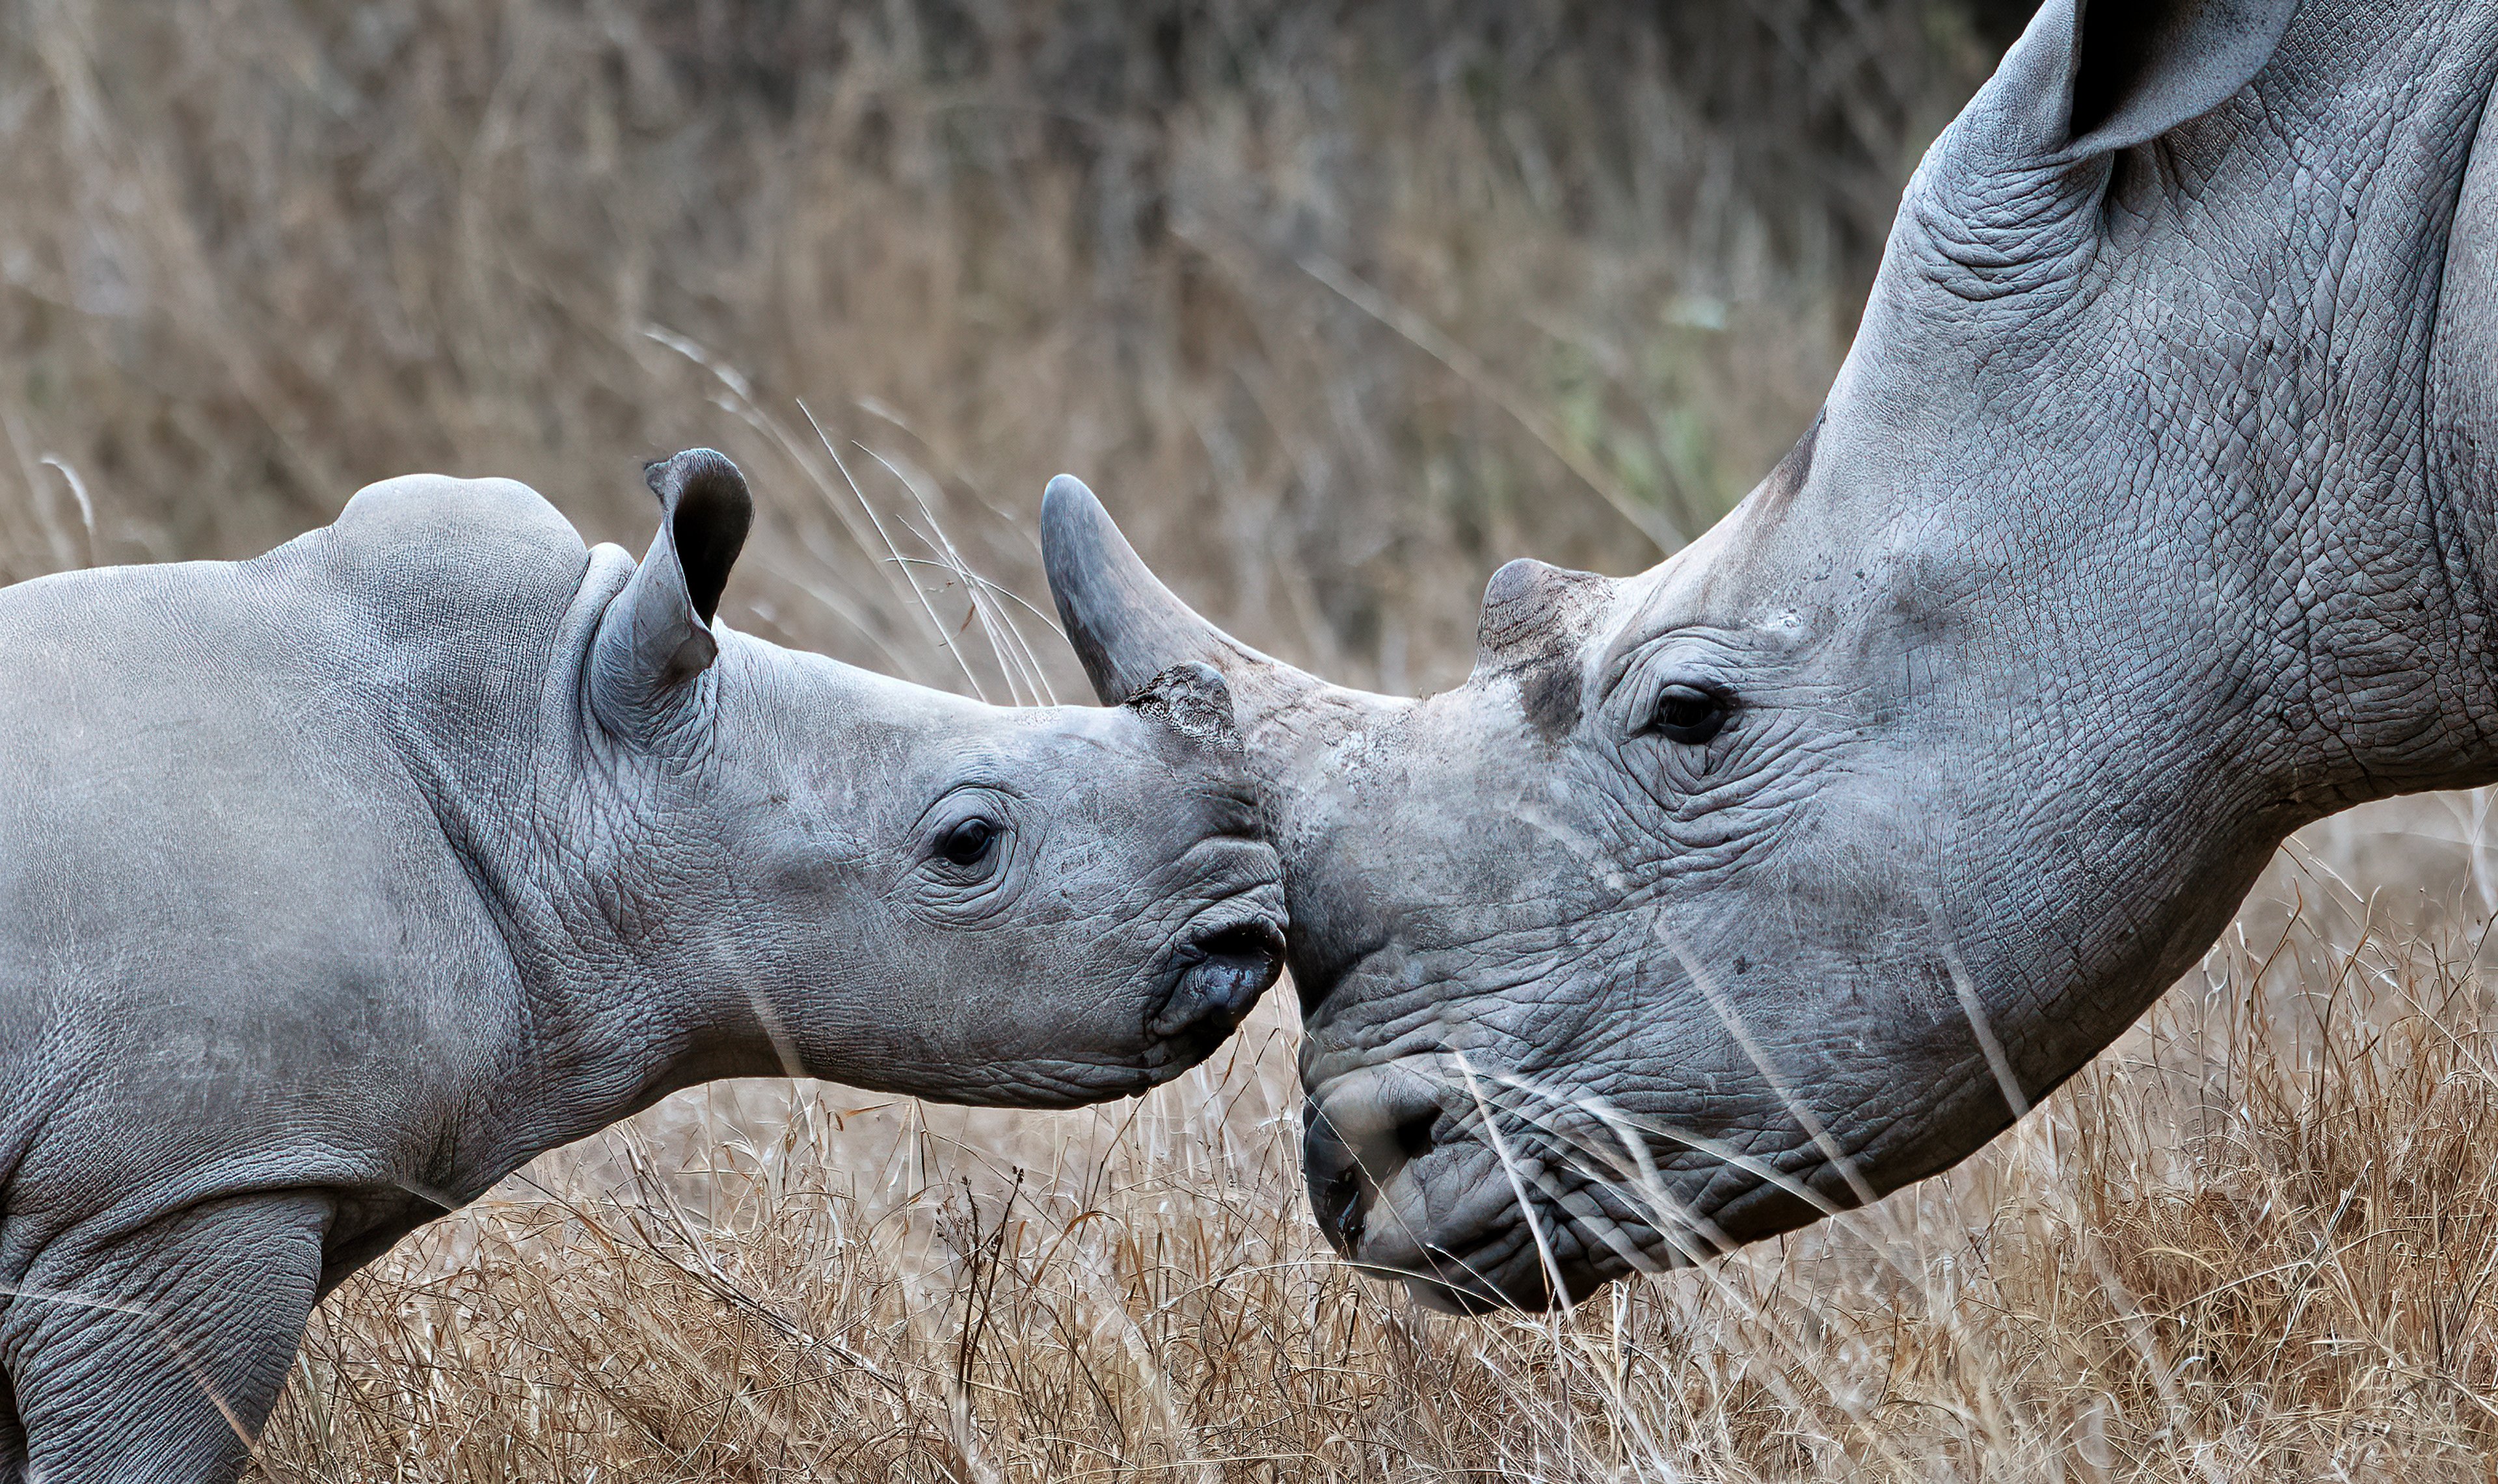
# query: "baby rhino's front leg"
{"type": "Point", "coordinates": [157, 1354]}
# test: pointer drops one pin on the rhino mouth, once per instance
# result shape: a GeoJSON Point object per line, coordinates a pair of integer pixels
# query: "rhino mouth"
{"type": "Point", "coordinates": [1222, 967]}
{"type": "Point", "coordinates": [1569, 1237]}
{"type": "Point", "coordinates": [1560, 1250]}
{"type": "Point", "coordinates": [1485, 1194]}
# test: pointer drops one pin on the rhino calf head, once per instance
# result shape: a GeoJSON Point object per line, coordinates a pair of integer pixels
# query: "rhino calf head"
{"type": "Point", "coordinates": [911, 891]}
{"type": "Point", "coordinates": [2146, 521]}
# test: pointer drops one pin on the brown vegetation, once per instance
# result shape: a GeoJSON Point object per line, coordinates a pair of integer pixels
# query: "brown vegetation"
{"type": "Point", "coordinates": [2256, 1241]}
{"type": "Point", "coordinates": [1342, 304]}
{"type": "Point", "coordinates": [1338, 306]}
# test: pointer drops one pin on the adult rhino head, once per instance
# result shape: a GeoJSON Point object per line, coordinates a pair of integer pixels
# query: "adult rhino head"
{"type": "Point", "coordinates": [2143, 524]}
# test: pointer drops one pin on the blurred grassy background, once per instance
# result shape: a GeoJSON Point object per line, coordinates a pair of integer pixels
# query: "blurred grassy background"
{"type": "Point", "coordinates": [1338, 305]}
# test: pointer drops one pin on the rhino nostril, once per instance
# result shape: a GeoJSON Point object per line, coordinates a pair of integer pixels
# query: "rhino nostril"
{"type": "Point", "coordinates": [1251, 945]}
{"type": "Point", "coordinates": [1341, 1211]}
{"type": "Point", "coordinates": [1334, 1173]}
{"type": "Point", "coordinates": [1359, 1140]}
{"type": "Point", "coordinates": [1416, 1135]}
{"type": "Point", "coordinates": [1223, 972]}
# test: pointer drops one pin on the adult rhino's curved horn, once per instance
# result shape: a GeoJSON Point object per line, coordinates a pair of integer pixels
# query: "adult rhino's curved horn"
{"type": "Point", "coordinates": [1128, 628]}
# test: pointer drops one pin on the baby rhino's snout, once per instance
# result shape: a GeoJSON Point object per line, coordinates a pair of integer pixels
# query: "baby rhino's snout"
{"type": "Point", "coordinates": [1233, 951]}
{"type": "Point", "coordinates": [1227, 968]}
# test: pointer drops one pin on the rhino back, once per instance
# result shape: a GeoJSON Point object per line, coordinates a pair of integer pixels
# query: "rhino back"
{"type": "Point", "coordinates": [236, 948]}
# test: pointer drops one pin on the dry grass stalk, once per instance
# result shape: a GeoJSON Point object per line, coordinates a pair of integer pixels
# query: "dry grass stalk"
{"type": "Point", "coordinates": [268, 252]}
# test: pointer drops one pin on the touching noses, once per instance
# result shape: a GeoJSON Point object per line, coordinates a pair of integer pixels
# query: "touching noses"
{"type": "Point", "coordinates": [1233, 951]}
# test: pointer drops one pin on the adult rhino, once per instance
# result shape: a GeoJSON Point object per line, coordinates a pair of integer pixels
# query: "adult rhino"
{"type": "Point", "coordinates": [2149, 519]}
{"type": "Point", "coordinates": [338, 883]}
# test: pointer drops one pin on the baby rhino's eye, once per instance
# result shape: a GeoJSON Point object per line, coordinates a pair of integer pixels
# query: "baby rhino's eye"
{"type": "Point", "coordinates": [969, 842]}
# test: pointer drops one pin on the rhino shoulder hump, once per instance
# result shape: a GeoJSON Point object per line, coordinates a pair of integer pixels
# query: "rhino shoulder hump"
{"type": "Point", "coordinates": [416, 510]}
{"type": "Point", "coordinates": [426, 544]}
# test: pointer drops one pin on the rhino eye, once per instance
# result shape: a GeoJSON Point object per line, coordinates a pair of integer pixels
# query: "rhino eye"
{"type": "Point", "coordinates": [969, 842]}
{"type": "Point", "coordinates": [1691, 715]}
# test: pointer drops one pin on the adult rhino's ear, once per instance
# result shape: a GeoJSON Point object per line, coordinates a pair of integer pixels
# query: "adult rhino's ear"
{"type": "Point", "coordinates": [2091, 76]}
{"type": "Point", "coordinates": [2007, 200]}
{"type": "Point", "coordinates": [656, 637]}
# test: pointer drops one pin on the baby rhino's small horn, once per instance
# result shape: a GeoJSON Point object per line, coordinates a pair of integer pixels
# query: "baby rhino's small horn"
{"type": "Point", "coordinates": [1190, 698]}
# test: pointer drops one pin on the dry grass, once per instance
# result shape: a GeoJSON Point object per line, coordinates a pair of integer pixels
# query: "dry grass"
{"type": "Point", "coordinates": [1341, 318]}
{"type": "Point", "coordinates": [2255, 1241]}
{"type": "Point", "coordinates": [1341, 305]}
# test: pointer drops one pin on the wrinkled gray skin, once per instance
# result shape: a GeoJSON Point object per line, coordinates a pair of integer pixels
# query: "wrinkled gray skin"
{"type": "Point", "coordinates": [338, 883]}
{"type": "Point", "coordinates": [2149, 519]}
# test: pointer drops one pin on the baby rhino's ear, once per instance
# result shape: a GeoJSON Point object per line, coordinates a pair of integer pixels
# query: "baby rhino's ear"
{"type": "Point", "coordinates": [656, 634]}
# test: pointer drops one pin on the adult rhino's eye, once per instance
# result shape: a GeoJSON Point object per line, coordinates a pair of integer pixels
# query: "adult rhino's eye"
{"type": "Point", "coordinates": [1691, 715]}
{"type": "Point", "coordinates": [969, 842]}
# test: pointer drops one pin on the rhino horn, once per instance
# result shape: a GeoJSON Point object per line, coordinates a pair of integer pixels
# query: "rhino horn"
{"type": "Point", "coordinates": [1128, 628]}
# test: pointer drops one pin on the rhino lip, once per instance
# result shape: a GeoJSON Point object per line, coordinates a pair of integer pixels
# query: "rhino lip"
{"type": "Point", "coordinates": [1222, 968]}
{"type": "Point", "coordinates": [1480, 1276]}
{"type": "Point", "coordinates": [1446, 1298]}
{"type": "Point", "coordinates": [1481, 1280]}
{"type": "Point", "coordinates": [1411, 1190]}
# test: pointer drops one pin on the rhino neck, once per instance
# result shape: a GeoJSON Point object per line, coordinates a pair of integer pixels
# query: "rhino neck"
{"type": "Point", "coordinates": [684, 978]}
{"type": "Point", "coordinates": [2363, 522]}
{"type": "Point", "coordinates": [590, 860]}
{"type": "Point", "coordinates": [2215, 430]}
{"type": "Point", "coordinates": [2461, 419]}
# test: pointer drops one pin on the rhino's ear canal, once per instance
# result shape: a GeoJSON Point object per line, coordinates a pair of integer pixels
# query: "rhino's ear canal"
{"type": "Point", "coordinates": [2135, 69]}
{"type": "Point", "coordinates": [656, 635]}
{"type": "Point", "coordinates": [705, 509]}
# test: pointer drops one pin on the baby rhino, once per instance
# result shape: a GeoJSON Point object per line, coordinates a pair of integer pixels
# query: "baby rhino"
{"type": "Point", "coordinates": [337, 883]}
